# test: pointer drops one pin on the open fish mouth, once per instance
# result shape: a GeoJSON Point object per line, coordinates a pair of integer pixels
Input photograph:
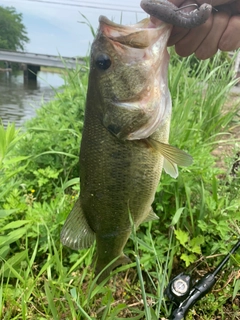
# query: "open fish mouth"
{"type": "Point", "coordinates": [138, 59]}
{"type": "Point", "coordinates": [140, 35]}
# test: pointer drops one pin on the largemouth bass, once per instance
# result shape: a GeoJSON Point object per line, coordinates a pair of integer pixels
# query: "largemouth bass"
{"type": "Point", "coordinates": [124, 140]}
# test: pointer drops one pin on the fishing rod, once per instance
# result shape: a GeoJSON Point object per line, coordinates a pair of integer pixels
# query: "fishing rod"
{"type": "Point", "coordinates": [184, 294]}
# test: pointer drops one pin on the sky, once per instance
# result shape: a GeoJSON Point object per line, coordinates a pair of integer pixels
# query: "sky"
{"type": "Point", "coordinates": [57, 26]}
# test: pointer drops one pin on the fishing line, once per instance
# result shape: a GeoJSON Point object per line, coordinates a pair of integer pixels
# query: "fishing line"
{"type": "Point", "coordinates": [112, 7]}
{"type": "Point", "coordinates": [187, 6]}
{"type": "Point", "coordinates": [191, 5]}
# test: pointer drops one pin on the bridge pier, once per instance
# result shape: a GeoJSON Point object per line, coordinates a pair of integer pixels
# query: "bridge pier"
{"type": "Point", "coordinates": [30, 72]}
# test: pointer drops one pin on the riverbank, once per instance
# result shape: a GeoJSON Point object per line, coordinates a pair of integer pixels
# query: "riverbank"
{"type": "Point", "coordinates": [52, 70]}
{"type": "Point", "coordinates": [5, 69]}
{"type": "Point", "coordinates": [19, 101]}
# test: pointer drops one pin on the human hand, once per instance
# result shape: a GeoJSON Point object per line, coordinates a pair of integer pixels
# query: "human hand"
{"type": "Point", "coordinates": [220, 31]}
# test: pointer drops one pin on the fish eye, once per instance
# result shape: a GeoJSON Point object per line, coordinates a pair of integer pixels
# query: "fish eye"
{"type": "Point", "coordinates": [103, 61]}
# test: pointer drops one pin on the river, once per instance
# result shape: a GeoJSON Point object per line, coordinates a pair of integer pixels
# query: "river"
{"type": "Point", "coordinates": [19, 101]}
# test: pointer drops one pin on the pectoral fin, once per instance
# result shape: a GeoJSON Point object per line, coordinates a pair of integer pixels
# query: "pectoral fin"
{"type": "Point", "coordinates": [76, 233]}
{"type": "Point", "coordinates": [172, 157]}
{"type": "Point", "coordinates": [170, 168]}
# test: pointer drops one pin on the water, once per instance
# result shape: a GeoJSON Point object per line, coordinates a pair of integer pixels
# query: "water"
{"type": "Point", "coordinates": [19, 101]}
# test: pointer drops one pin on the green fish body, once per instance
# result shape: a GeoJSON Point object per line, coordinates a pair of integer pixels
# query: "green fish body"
{"type": "Point", "coordinates": [124, 141]}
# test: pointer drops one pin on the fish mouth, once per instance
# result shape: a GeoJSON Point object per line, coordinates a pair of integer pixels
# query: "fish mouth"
{"type": "Point", "coordinates": [140, 35]}
{"type": "Point", "coordinates": [139, 60]}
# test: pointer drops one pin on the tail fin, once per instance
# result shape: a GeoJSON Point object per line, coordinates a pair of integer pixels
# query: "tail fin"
{"type": "Point", "coordinates": [102, 271]}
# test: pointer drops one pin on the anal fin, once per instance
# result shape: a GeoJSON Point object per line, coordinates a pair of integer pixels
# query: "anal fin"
{"type": "Point", "coordinates": [76, 233]}
{"type": "Point", "coordinates": [170, 168]}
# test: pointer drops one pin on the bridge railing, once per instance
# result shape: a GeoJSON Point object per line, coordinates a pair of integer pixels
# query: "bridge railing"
{"type": "Point", "coordinates": [236, 62]}
{"type": "Point", "coordinates": [47, 60]}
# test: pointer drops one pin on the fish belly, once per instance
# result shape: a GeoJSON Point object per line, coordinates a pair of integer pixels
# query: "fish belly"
{"type": "Point", "coordinates": [118, 184]}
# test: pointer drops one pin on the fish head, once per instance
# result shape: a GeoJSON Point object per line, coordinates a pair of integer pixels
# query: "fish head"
{"type": "Point", "coordinates": [128, 75]}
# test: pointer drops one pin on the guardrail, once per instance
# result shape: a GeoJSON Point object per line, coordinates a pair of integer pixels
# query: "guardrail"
{"type": "Point", "coordinates": [40, 59]}
{"type": "Point", "coordinates": [236, 62]}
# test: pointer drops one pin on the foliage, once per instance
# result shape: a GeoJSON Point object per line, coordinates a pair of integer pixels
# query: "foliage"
{"type": "Point", "coordinates": [198, 125]}
{"type": "Point", "coordinates": [195, 64]}
{"type": "Point", "coordinates": [53, 138]}
{"type": "Point", "coordinates": [199, 212]}
{"type": "Point", "coordinates": [13, 34]}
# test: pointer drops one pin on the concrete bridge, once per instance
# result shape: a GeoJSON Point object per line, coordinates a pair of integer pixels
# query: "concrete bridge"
{"type": "Point", "coordinates": [32, 61]}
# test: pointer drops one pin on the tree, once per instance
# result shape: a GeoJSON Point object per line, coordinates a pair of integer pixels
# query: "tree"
{"type": "Point", "coordinates": [13, 34]}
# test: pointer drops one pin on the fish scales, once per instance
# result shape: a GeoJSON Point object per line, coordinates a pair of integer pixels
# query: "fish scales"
{"type": "Point", "coordinates": [119, 184]}
{"type": "Point", "coordinates": [124, 141]}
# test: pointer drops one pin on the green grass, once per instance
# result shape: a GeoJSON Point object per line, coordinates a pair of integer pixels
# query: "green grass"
{"type": "Point", "coordinates": [199, 212]}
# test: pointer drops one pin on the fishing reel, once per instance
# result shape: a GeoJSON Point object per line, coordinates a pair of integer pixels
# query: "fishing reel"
{"type": "Point", "coordinates": [179, 288]}
{"type": "Point", "coordinates": [184, 292]}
